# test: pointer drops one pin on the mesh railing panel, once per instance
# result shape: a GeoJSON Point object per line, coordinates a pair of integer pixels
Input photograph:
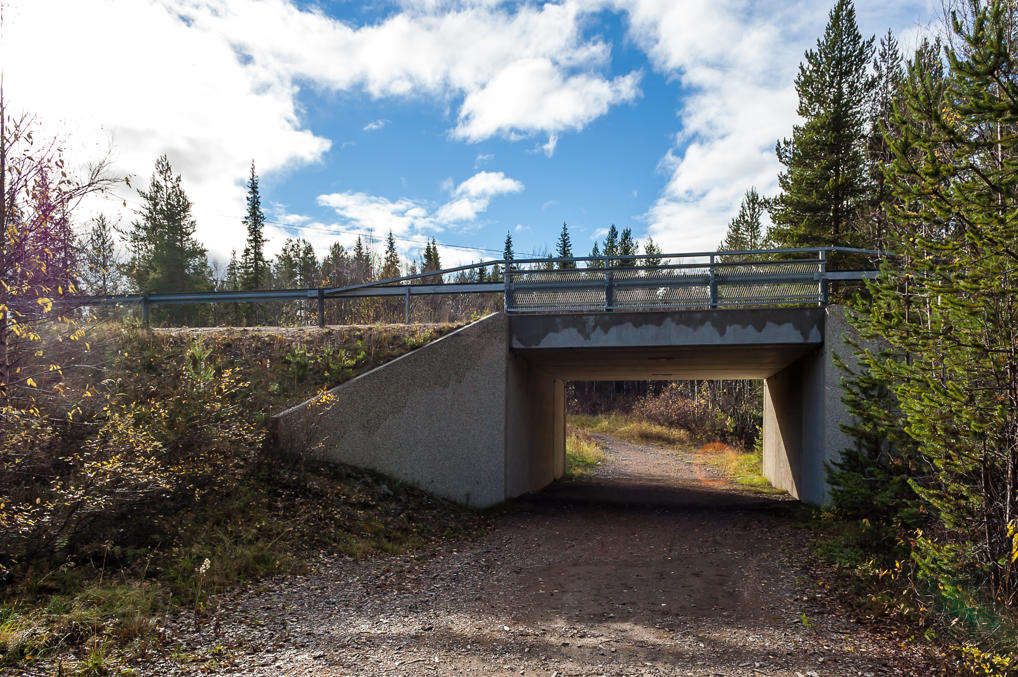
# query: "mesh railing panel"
{"type": "Point", "coordinates": [673, 285]}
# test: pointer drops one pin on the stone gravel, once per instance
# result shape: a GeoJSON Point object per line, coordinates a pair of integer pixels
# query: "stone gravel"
{"type": "Point", "coordinates": [652, 565]}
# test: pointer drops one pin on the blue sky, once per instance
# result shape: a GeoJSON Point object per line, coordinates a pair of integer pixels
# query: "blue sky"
{"type": "Point", "coordinates": [459, 120]}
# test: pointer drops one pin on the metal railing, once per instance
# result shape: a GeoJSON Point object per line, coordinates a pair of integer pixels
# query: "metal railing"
{"type": "Point", "coordinates": [583, 284]}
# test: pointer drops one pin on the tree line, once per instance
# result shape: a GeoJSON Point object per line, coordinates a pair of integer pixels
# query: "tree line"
{"type": "Point", "coordinates": [917, 156]}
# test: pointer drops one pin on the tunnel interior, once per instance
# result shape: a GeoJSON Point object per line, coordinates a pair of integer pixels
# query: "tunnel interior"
{"type": "Point", "coordinates": [801, 408]}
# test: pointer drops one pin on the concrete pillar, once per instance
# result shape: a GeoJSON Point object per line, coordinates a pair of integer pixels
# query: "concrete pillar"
{"type": "Point", "coordinates": [535, 431]}
{"type": "Point", "coordinates": [559, 430]}
{"type": "Point", "coordinates": [803, 415]}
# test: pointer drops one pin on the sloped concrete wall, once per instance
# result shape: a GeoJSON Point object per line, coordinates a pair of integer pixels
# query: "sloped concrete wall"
{"type": "Point", "coordinates": [803, 414]}
{"type": "Point", "coordinates": [434, 418]}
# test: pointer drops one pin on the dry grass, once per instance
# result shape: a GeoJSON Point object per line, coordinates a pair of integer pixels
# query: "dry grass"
{"type": "Point", "coordinates": [631, 429]}
{"type": "Point", "coordinates": [583, 453]}
{"type": "Point", "coordinates": [743, 466]}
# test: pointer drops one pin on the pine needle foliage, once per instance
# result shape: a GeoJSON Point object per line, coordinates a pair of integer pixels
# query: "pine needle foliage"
{"type": "Point", "coordinates": [824, 182]}
{"type": "Point", "coordinates": [254, 269]}
{"type": "Point", "coordinates": [947, 308]}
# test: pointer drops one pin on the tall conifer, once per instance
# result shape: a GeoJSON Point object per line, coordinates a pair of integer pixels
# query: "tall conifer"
{"type": "Point", "coordinates": [824, 181]}
{"type": "Point", "coordinates": [390, 262]}
{"type": "Point", "coordinates": [253, 267]}
{"type": "Point", "coordinates": [564, 249]}
{"type": "Point", "coordinates": [165, 256]}
{"type": "Point", "coordinates": [946, 306]}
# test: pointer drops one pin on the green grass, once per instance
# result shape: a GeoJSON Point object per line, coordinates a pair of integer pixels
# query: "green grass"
{"type": "Point", "coordinates": [744, 467]}
{"type": "Point", "coordinates": [583, 453]}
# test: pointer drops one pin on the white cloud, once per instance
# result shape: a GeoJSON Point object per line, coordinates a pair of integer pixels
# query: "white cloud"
{"type": "Point", "coordinates": [532, 95]}
{"type": "Point", "coordinates": [736, 61]}
{"type": "Point", "coordinates": [214, 83]}
{"type": "Point", "coordinates": [375, 125]}
{"type": "Point", "coordinates": [520, 72]}
{"type": "Point", "coordinates": [409, 218]}
{"type": "Point", "coordinates": [130, 74]}
{"type": "Point", "coordinates": [483, 159]}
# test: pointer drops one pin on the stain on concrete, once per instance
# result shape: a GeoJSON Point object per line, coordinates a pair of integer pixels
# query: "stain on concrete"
{"type": "Point", "coordinates": [676, 328]}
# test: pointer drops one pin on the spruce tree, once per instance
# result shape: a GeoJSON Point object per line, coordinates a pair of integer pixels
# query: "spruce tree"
{"type": "Point", "coordinates": [746, 231]}
{"type": "Point", "coordinates": [627, 249]}
{"type": "Point", "coordinates": [164, 255]}
{"type": "Point", "coordinates": [100, 272]}
{"type": "Point", "coordinates": [824, 182]}
{"type": "Point", "coordinates": [253, 267]}
{"type": "Point", "coordinates": [431, 262]}
{"type": "Point", "coordinates": [564, 249]}
{"type": "Point", "coordinates": [362, 266]}
{"type": "Point", "coordinates": [231, 281]}
{"type": "Point", "coordinates": [595, 254]}
{"type": "Point", "coordinates": [390, 263]}
{"type": "Point", "coordinates": [946, 305]}
{"type": "Point", "coordinates": [507, 251]}
{"type": "Point", "coordinates": [888, 76]}
{"type": "Point", "coordinates": [611, 245]}
{"type": "Point", "coordinates": [653, 253]}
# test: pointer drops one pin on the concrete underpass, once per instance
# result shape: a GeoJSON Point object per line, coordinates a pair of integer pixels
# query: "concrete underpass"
{"type": "Point", "coordinates": [479, 415]}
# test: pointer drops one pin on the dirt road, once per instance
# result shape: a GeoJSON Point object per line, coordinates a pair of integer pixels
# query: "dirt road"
{"type": "Point", "coordinates": [649, 566]}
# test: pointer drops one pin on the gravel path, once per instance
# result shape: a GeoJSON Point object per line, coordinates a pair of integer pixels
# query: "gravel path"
{"type": "Point", "coordinates": [649, 566]}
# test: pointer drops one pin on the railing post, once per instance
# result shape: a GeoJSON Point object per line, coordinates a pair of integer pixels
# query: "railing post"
{"type": "Point", "coordinates": [321, 308]}
{"type": "Point", "coordinates": [145, 310]}
{"type": "Point", "coordinates": [406, 313]}
{"type": "Point", "coordinates": [822, 269]}
{"type": "Point", "coordinates": [609, 290]}
{"type": "Point", "coordinates": [507, 274]}
{"type": "Point", "coordinates": [713, 285]}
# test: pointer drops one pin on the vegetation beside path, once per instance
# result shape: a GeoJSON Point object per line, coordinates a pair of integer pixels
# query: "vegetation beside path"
{"type": "Point", "coordinates": [100, 536]}
{"type": "Point", "coordinates": [743, 466]}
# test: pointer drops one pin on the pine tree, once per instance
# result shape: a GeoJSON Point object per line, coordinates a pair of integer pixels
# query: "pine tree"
{"type": "Point", "coordinates": [164, 255]}
{"type": "Point", "coordinates": [745, 231]}
{"type": "Point", "coordinates": [564, 249]}
{"type": "Point", "coordinates": [946, 305]}
{"type": "Point", "coordinates": [824, 183]}
{"type": "Point", "coordinates": [100, 270]}
{"type": "Point", "coordinates": [507, 251]}
{"type": "Point", "coordinates": [390, 263]}
{"type": "Point", "coordinates": [253, 267]}
{"type": "Point", "coordinates": [362, 266]}
{"type": "Point", "coordinates": [627, 249]}
{"type": "Point", "coordinates": [595, 255]}
{"type": "Point", "coordinates": [888, 78]}
{"type": "Point", "coordinates": [336, 266]}
{"type": "Point", "coordinates": [653, 253]}
{"type": "Point", "coordinates": [611, 245]}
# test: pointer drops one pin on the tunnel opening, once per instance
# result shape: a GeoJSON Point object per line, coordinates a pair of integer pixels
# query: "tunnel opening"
{"type": "Point", "coordinates": [663, 442]}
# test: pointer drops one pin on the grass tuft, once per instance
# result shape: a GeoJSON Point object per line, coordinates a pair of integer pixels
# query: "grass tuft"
{"type": "Point", "coordinates": [583, 453]}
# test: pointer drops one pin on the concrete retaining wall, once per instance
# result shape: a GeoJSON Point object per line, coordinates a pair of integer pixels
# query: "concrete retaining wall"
{"type": "Point", "coordinates": [803, 414]}
{"type": "Point", "coordinates": [434, 418]}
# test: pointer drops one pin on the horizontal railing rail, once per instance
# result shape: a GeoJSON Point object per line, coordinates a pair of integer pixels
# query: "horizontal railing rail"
{"type": "Point", "coordinates": [603, 283]}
